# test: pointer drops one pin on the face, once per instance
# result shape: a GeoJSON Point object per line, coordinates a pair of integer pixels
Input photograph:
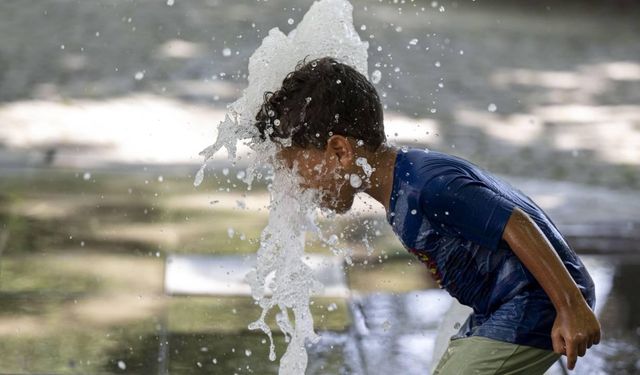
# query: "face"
{"type": "Point", "coordinates": [324, 171]}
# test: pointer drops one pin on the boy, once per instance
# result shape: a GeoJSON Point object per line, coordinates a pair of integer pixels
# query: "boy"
{"type": "Point", "coordinates": [485, 242]}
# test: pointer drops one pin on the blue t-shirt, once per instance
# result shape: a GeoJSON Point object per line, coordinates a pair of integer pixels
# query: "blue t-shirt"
{"type": "Point", "coordinates": [451, 214]}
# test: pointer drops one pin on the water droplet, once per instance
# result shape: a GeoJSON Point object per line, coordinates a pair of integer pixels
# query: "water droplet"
{"type": "Point", "coordinates": [122, 365]}
{"type": "Point", "coordinates": [355, 181]}
{"type": "Point", "coordinates": [86, 176]}
{"type": "Point", "coordinates": [366, 167]}
{"type": "Point", "coordinates": [290, 21]}
{"type": "Point", "coordinates": [226, 52]}
{"type": "Point", "coordinates": [376, 75]}
{"type": "Point", "coordinates": [139, 75]}
{"type": "Point", "coordinates": [333, 240]}
{"type": "Point", "coordinates": [386, 325]}
{"type": "Point", "coordinates": [492, 107]}
{"type": "Point", "coordinates": [199, 176]}
{"type": "Point", "coordinates": [170, 2]}
{"type": "Point", "coordinates": [413, 41]}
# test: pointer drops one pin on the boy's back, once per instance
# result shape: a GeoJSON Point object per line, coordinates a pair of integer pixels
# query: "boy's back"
{"type": "Point", "coordinates": [451, 215]}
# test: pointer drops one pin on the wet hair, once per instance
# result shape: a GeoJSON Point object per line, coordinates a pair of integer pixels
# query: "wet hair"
{"type": "Point", "coordinates": [321, 98]}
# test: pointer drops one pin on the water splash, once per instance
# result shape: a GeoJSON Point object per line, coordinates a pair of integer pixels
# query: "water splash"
{"type": "Point", "coordinates": [281, 279]}
{"type": "Point", "coordinates": [280, 269]}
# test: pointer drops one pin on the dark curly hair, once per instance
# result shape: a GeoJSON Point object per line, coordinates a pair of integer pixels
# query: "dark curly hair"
{"type": "Point", "coordinates": [321, 98]}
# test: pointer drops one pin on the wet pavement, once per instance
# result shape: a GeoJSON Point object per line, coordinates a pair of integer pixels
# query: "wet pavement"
{"type": "Point", "coordinates": [82, 286]}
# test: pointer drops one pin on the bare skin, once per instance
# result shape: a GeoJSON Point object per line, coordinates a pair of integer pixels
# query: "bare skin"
{"type": "Point", "coordinates": [575, 329]}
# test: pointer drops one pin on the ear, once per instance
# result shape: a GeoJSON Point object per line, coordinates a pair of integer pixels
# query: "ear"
{"type": "Point", "coordinates": [340, 147]}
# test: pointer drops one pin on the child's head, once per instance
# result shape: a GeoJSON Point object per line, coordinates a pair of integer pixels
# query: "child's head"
{"type": "Point", "coordinates": [325, 116]}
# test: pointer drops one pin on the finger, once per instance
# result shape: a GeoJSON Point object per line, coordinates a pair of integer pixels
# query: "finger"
{"type": "Point", "coordinates": [597, 339]}
{"type": "Point", "coordinates": [592, 339]}
{"type": "Point", "coordinates": [558, 343]}
{"type": "Point", "coordinates": [572, 357]}
{"type": "Point", "coordinates": [582, 349]}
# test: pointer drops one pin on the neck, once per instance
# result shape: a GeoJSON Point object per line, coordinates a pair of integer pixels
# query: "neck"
{"type": "Point", "coordinates": [383, 162]}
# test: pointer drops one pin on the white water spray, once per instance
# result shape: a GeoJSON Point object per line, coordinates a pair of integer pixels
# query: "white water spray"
{"type": "Point", "coordinates": [326, 30]}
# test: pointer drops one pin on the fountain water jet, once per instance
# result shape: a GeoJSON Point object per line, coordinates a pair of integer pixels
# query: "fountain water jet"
{"type": "Point", "coordinates": [281, 279]}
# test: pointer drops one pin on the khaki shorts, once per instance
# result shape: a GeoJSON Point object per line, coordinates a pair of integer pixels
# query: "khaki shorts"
{"type": "Point", "coordinates": [482, 356]}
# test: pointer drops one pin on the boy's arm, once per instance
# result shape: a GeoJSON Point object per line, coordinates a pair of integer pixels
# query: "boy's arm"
{"type": "Point", "coordinates": [576, 327]}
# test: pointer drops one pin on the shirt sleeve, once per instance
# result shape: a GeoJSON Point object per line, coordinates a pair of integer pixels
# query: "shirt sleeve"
{"type": "Point", "coordinates": [462, 205]}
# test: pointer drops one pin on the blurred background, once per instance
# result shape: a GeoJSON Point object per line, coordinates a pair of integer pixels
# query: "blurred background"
{"type": "Point", "coordinates": [105, 104]}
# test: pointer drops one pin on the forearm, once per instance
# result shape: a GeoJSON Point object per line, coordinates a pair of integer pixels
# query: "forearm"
{"type": "Point", "coordinates": [537, 254]}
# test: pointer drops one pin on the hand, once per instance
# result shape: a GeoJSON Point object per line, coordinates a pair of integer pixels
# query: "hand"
{"type": "Point", "coordinates": [574, 331]}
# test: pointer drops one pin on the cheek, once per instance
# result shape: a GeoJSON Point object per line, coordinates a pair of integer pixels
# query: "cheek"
{"type": "Point", "coordinates": [319, 176]}
{"type": "Point", "coordinates": [342, 190]}
{"type": "Point", "coordinates": [319, 169]}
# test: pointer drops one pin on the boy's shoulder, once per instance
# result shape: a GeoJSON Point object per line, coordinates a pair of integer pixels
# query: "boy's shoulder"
{"type": "Point", "coordinates": [444, 179]}
{"type": "Point", "coordinates": [418, 166]}
{"type": "Point", "coordinates": [419, 157]}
